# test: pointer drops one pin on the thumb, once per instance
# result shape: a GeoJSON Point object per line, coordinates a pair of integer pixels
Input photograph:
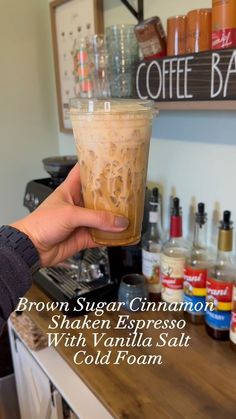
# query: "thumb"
{"type": "Point", "coordinates": [102, 220]}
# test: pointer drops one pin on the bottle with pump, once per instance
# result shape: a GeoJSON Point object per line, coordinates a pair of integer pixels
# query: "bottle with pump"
{"type": "Point", "coordinates": [151, 249]}
{"type": "Point", "coordinates": [173, 257]}
{"type": "Point", "coordinates": [195, 272]}
{"type": "Point", "coordinates": [219, 285]}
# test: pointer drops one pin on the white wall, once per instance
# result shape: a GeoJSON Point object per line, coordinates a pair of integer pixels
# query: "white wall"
{"type": "Point", "coordinates": [28, 119]}
{"type": "Point", "coordinates": [193, 154]}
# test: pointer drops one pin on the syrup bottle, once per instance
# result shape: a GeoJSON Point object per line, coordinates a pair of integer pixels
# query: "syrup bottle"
{"type": "Point", "coordinates": [195, 272]}
{"type": "Point", "coordinates": [173, 258]}
{"type": "Point", "coordinates": [151, 249]}
{"type": "Point", "coordinates": [232, 332]}
{"type": "Point", "coordinates": [219, 284]}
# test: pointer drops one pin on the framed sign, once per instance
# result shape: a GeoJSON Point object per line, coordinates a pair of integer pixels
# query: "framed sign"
{"type": "Point", "coordinates": [71, 19]}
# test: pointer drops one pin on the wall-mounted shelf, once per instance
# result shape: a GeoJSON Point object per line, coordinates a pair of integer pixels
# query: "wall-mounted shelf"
{"type": "Point", "coordinates": [219, 105]}
{"type": "Point", "coordinates": [199, 81]}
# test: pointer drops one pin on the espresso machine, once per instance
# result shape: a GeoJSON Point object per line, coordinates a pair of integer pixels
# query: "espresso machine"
{"type": "Point", "coordinates": [92, 273]}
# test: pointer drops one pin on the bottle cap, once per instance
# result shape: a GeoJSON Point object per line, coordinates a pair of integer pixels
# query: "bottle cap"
{"type": "Point", "coordinates": [176, 209]}
{"type": "Point", "coordinates": [226, 223]}
{"type": "Point", "coordinates": [201, 215]}
{"type": "Point", "coordinates": [225, 240]}
{"type": "Point", "coordinates": [154, 197]}
{"type": "Point", "coordinates": [176, 219]}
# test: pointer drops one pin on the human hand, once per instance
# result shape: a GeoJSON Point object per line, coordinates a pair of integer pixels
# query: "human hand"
{"type": "Point", "coordinates": [58, 227]}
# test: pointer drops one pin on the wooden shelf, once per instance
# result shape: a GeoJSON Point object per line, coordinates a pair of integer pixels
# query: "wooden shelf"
{"type": "Point", "coordinates": [219, 105]}
{"type": "Point", "coordinates": [199, 81]}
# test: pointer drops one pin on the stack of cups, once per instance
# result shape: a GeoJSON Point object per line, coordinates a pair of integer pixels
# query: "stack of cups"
{"type": "Point", "coordinates": [98, 52]}
{"type": "Point", "coordinates": [123, 56]}
{"type": "Point", "coordinates": [90, 67]}
{"type": "Point", "coordinates": [83, 68]}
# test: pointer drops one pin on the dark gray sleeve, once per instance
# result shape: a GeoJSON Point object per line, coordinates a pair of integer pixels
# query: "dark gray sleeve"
{"type": "Point", "coordinates": [15, 281]}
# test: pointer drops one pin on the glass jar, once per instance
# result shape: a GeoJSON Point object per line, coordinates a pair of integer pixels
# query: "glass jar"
{"type": "Point", "coordinates": [133, 291]}
{"type": "Point", "coordinates": [176, 35]}
{"type": "Point", "coordinates": [151, 38]}
{"type": "Point", "coordinates": [198, 30]}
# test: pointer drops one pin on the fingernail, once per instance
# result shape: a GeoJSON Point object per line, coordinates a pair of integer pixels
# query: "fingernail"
{"type": "Point", "coordinates": [121, 222]}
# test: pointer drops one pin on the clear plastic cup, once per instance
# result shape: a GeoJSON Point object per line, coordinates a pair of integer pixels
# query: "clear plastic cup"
{"type": "Point", "coordinates": [123, 56]}
{"type": "Point", "coordinates": [112, 139]}
{"type": "Point", "coordinates": [122, 85]}
{"type": "Point", "coordinates": [91, 67]}
{"type": "Point", "coordinates": [83, 68]}
{"type": "Point", "coordinates": [123, 30]}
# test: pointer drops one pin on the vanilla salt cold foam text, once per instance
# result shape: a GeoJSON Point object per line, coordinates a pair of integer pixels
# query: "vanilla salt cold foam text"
{"type": "Point", "coordinates": [112, 139]}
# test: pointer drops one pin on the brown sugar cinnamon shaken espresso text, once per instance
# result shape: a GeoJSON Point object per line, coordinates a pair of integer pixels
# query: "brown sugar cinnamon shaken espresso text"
{"type": "Point", "coordinates": [112, 139]}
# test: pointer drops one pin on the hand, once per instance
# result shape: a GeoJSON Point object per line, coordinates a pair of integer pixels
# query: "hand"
{"type": "Point", "coordinates": [58, 227]}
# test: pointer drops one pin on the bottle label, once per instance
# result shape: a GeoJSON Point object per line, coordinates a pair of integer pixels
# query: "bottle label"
{"type": "Point", "coordinates": [233, 318]}
{"type": "Point", "coordinates": [151, 270]}
{"type": "Point", "coordinates": [153, 217]}
{"type": "Point", "coordinates": [172, 272]}
{"type": "Point", "coordinates": [219, 294]}
{"type": "Point", "coordinates": [150, 47]}
{"type": "Point", "coordinates": [195, 288]}
{"type": "Point", "coordinates": [224, 38]}
{"type": "Point", "coordinates": [232, 334]}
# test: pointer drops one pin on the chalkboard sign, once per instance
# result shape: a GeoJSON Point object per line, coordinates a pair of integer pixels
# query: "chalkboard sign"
{"type": "Point", "coordinates": [194, 77]}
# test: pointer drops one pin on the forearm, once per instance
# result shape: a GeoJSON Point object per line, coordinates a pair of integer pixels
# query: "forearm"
{"type": "Point", "coordinates": [15, 272]}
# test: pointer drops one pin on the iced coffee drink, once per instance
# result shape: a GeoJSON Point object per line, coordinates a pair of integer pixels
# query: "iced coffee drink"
{"type": "Point", "coordinates": [112, 139]}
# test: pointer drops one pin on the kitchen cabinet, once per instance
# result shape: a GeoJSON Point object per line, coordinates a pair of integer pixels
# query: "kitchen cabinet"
{"type": "Point", "coordinates": [37, 397]}
{"type": "Point", "coordinates": [46, 383]}
{"type": "Point", "coordinates": [8, 397]}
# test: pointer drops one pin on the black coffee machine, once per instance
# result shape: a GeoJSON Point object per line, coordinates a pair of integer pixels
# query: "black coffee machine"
{"type": "Point", "coordinates": [92, 273]}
